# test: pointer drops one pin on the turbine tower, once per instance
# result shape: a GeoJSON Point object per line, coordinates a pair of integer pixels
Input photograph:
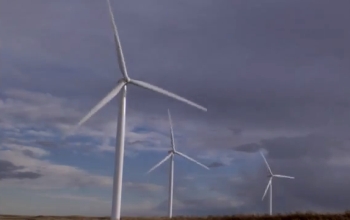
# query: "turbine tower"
{"type": "Point", "coordinates": [171, 154]}
{"type": "Point", "coordinates": [120, 136]}
{"type": "Point", "coordinates": [271, 176]}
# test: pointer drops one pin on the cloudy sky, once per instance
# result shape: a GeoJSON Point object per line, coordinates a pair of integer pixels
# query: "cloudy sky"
{"type": "Point", "coordinates": [274, 75]}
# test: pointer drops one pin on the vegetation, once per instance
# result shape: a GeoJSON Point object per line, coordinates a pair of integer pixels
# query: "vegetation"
{"type": "Point", "coordinates": [294, 216]}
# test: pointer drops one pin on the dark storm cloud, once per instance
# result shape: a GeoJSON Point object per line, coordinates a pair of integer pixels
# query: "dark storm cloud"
{"type": "Point", "coordinates": [216, 164]}
{"type": "Point", "coordinates": [10, 171]}
{"type": "Point", "coordinates": [317, 145]}
{"type": "Point", "coordinates": [252, 147]}
{"type": "Point", "coordinates": [265, 63]}
{"type": "Point", "coordinates": [28, 153]}
{"type": "Point", "coordinates": [236, 131]}
{"type": "Point", "coordinates": [294, 148]}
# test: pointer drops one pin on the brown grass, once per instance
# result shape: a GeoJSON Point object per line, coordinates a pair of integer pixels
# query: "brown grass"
{"type": "Point", "coordinates": [294, 216]}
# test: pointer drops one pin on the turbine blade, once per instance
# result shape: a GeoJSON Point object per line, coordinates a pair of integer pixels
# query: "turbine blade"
{"type": "Point", "coordinates": [167, 93]}
{"type": "Point", "coordinates": [283, 176]}
{"type": "Point", "coordinates": [158, 164]}
{"type": "Point", "coordinates": [118, 45]}
{"type": "Point", "coordinates": [267, 187]}
{"type": "Point", "coordinates": [267, 164]}
{"type": "Point", "coordinates": [171, 132]}
{"type": "Point", "coordinates": [191, 159]}
{"type": "Point", "coordinates": [102, 103]}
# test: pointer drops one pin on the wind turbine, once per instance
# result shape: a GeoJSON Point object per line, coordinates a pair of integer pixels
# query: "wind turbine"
{"type": "Point", "coordinates": [271, 176]}
{"type": "Point", "coordinates": [120, 136]}
{"type": "Point", "coordinates": [171, 154]}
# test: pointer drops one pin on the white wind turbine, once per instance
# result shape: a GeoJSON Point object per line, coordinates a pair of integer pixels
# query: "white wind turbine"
{"type": "Point", "coordinates": [271, 176]}
{"type": "Point", "coordinates": [120, 136]}
{"type": "Point", "coordinates": [171, 154]}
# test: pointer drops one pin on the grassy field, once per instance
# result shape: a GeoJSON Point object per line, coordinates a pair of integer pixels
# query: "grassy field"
{"type": "Point", "coordinates": [309, 216]}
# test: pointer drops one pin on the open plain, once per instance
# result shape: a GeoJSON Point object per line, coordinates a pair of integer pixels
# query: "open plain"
{"type": "Point", "coordinates": [294, 216]}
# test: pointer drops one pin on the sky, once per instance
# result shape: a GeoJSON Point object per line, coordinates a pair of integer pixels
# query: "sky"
{"type": "Point", "coordinates": [273, 74]}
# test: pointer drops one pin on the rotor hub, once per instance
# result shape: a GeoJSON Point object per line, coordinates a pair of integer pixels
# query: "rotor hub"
{"type": "Point", "coordinates": [125, 80]}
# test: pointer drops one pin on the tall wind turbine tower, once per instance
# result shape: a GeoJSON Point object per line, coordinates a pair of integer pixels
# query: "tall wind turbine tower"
{"type": "Point", "coordinates": [120, 137]}
{"type": "Point", "coordinates": [171, 153]}
{"type": "Point", "coordinates": [271, 176]}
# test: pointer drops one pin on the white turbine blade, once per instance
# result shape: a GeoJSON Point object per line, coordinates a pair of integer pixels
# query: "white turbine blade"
{"type": "Point", "coordinates": [267, 187]}
{"type": "Point", "coordinates": [267, 164]}
{"type": "Point", "coordinates": [102, 103]}
{"type": "Point", "coordinates": [283, 176]}
{"type": "Point", "coordinates": [167, 93]}
{"type": "Point", "coordinates": [171, 132]}
{"type": "Point", "coordinates": [158, 164]}
{"type": "Point", "coordinates": [191, 159]}
{"type": "Point", "coordinates": [118, 45]}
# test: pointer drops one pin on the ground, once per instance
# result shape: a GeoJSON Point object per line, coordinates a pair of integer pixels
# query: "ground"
{"type": "Point", "coordinates": [308, 216]}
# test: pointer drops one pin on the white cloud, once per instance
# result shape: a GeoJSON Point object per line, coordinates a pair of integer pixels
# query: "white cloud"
{"type": "Point", "coordinates": [32, 151]}
{"type": "Point", "coordinates": [52, 175]}
{"type": "Point", "coordinates": [141, 208]}
{"type": "Point", "coordinates": [52, 203]}
{"type": "Point", "coordinates": [145, 187]}
{"type": "Point", "coordinates": [76, 198]}
{"type": "Point", "coordinates": [42, 115]}
{"type": "Point", "coordinates": [40, 133]}
{"type": "Point", "coordinates": [212, 203]}
{"type": "Point", "coordinates": [21, 109]}
{"type": "Point", "coordinates": [39, 114]}
{"type": "Point", "coordinates": [24, 109]}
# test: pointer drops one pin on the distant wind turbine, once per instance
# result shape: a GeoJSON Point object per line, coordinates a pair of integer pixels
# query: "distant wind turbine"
{"type": "Point", "coordinates": [270, 176]}
{"type": "Point", "coordinates": [120, 139]}
{"type": "Point", "coordinates": [171, 154]}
